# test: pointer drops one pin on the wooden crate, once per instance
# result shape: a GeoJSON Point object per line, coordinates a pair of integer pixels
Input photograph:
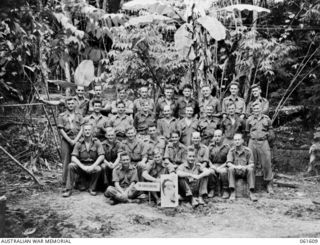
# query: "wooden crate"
{"type": "Point", "coordinates": [241, 188]}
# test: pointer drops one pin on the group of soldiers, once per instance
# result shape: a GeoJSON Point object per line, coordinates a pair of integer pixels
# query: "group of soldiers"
{"type": "Point", "coordinates": [112, 145]}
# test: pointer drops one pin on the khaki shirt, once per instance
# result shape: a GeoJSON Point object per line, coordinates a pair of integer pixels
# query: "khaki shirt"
{"type": "Point", "coordinates": [218, 153]}
{"type": "Point", "coordinates": [187, 130]}
{"type": "Point", "coordinates": [88, 157]}
{"type": "Point", "coordinates": [99, 123]}
{"type": "Point", "coordinates": [125, 178]}
{"type": "Point", "coordinates": [143, 120]}
{"type": "Point", "coordinates": [160, 143]}
{"type": "Point", "coordinates": [82, 105]}
{"type": "Point", "coordinates": [230, 129]}
{"type": "Point", "coordinates": [242, 157]}
{"type": "Point", "coordinates": [207, 126]}
{"type": "Point", "coordinates": [202, 153]}
{"type": "Point", "coordinates": [111, 150]}
{"type": "Point", "coordinates": [212, 101]}
{"type": "Point", "coordinates": [128, 105]}
{"type": "Point", "coordinates": [157, 169]}
{"type": "Point", "coordinates": [71, 124]}
{"type": "Point", "coordinates": [137, 150]}
{"type": "Point", "coordinates": [175, 153]}
{"type": "Point", "coordinates": [137, 104]}
{"type": "Point", "coordinates": [165, 127]}
{"type": "Point", "coordinates": [162, 102]}
{"type": "Point", "coordinates": [260, 128]}
{"type": "Point", "coordinates": [264, 104]}
{"type": "Point", "coordinates": [195, 169]}
{"type": "Point", "coordinates": [182, 104]}
{"type": "Point", "coordinates": [239, 102]}
{"type": "Point", "coordinates": [120, 124]}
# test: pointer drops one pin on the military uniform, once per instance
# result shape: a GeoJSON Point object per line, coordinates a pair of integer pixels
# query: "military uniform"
{"type": "Point", "coordinates": [128, 105]}
{"type": "Point", "coordinates": [111, 150]}
{"type": "Point", "coordinates": [138, 104]}
{"type": "Point", "coordinates": [207, 126]}
{"type": "Point", "coordinates": [160, 143]}
{"type": "Point", "coordinates": [211, 101]}
{"type": "Point", "coordinates": [86, 157]}
{"type": "Point", "coordinates": [187, 130]}
{"type": "Point", "coordinates": [260, 131]}
{"type": "Point", "coordinates": [202, 154]}
{"type": "Point", "coordinates": [230, 128]}
{"type": "Point", "coordinates": [264, 106]}
{"type": "Point", "coordinates": [189, 186]}
{"type": "Point", "coordinates": [99, 123]}
{"type": "Point", "coordinates": [166, 127]}
{"type": "Point", "coordinates": [182, 104]}
{"type": "Point", "coordinates": [142, 120]}
{"type": "Point", "coordinates": [238, 101]}
{"type": "Point", "coordinates": [103, 101]}
{"type": "Point", "coordinates": [71, 124]}
{"type": "Point", "coordinates": [162, 102]}
{"type": "Point", "coordinates": [176, 154]}
{"type": "Point", "coordinates": [125, 179]}
{"type": "Point", "coordinates": [242, 157]}
{"type": "Point", "coordinates": [82, 105]}
{"type": "Point", "coordinates": [156, 170]}
{"type": "Point", "coordinates": [120, 125]}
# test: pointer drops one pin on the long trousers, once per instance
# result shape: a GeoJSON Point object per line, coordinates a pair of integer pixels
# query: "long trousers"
{"type": "Point", "coordinates": [220, 175]}
{"type": "Point", "coordinates": [116, 195]}
{"type": "Point", "coordinates": [66, 150]}
{"type": "Point", "coordinates": [193, 188]}
{"type": "Point", "coordinates": [75, 173]}
{"type": "Point", "coordinates": [248, 174]}
{"type": "Point", "coordinates": [262, 157]}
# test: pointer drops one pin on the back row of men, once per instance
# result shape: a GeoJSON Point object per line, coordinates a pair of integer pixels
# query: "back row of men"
{"type": "Point", "coordinates": [170, 132]}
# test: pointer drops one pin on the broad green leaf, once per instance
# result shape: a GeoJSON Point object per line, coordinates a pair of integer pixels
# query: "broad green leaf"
{"type": "Point", "coordinates": [147, 19]}
{"type": "Point", "coordinates": [242, 7]}
{"type": "Point", "coordinates": [84, 73]}
{"type": "Point", "coordinates": [213, 26]}
{"type": "Point", "coordinates": [183, 40]}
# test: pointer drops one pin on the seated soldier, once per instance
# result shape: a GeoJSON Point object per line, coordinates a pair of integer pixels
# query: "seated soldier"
{"type": "Point", "coordinates": [125, 176]}
{"type": "Point", "coordinates": [168, 123]}
{"type": "Point", "coordinates": [218, 152]}
{"type": "Point", "coordinates": [155, 168]}
{"type": "Point", "coordinates": [154, 140]}
{"type": "Point", "coordinates": [187, 125]}
{"type": "Point", "coordinates": [121, 121]}
{"type": "Point", "coordinates": [98, 121]}
{"type": "Point", "coordinates": [86, 158]}
{"type": "Point", "coordinates": [193, 179]}
{"type": "Point", "coordinates": [111, 148]}
{"type": "Point", "coordinates": [175, 152]}
{"type": "Point", "coordinates": [143, 119]}
{"type": "Point", "coordinates": [240, 164]}
{"type": "Point", "coordinates": [202, 151]}
{"type": "Point", "coordinates": [136, 149]}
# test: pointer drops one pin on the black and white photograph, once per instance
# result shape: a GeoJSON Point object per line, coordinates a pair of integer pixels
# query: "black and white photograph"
{"type": "Point", "coordinates": [159, 119]}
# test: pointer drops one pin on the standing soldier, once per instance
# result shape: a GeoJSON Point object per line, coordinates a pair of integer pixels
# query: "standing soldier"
{"type": "Point", "coordinates": [143, 119]}
{"type": "Point", "coordinates": [234, 98]}
{"type": "Point", "coordinates": [86, 158]}
{"type": "Point", "coordinates": [208, 100]}
{"type": "Point", "coordinates": [175, 152]}
{"type": "Point", "coordinates": [168, 123]}
{"type": "Point", "coordinates": [232, 124]}
{"type": "Point", "coordinates": [69, 124]}
{"type": "Point", "coordinates": [138, 103]}
{"type": "Point", "coordinates": [260, 130]}
{"type": "Point", "coordinates": [256, 93]}
{"type": "Point", "coordinates": [121, 121]}
{"type": "Point", "coordinates": [122, 96]}
{"type": "Point", "coordinates": [98, 121]}
{"type": "Point", "coordinates": [218, 152]}
{"type": "Point", "coordinates": [186, 101]}
{"type": "Point", "coordinates": [187, 125]}
{"type": "Point", "coordinates": [97, 96]}
{"type": "Point", "coordinates": [111, 147]}
{"type": "Point", "coordinates": [240, 164]}
{"type": "Point", "coordinates": [155, 141]}
{"type": "Point", "coordinates": [168, 99]}
{"type": "Point", "coordinates": [208, 124]}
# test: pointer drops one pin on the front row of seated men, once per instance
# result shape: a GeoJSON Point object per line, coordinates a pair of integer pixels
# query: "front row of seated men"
{"type": "Point", "coordinates": [197, 171]}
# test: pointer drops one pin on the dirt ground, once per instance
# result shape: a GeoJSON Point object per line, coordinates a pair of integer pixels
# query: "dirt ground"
{"type": "Point", "coordinates": [44, 213]}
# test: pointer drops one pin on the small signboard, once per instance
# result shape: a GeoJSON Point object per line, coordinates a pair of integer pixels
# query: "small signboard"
{"type": "Point", "coordinates": [169, 190]}
{"type": "Point", "coordinates": [147, 186]}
